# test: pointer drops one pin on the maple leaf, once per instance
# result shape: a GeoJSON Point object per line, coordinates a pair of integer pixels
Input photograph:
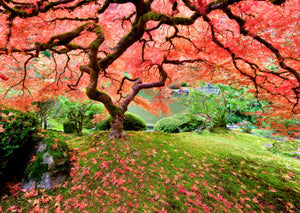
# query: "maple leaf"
{"type": "Point", "coordinates": [241, 191]}
{"type": "Point", "coordinates": [130, 204]}
{"type": "Point", "coordinates": [182, 190]}
{"type": "Point", "coordinates": [32, 193]}
{"type": "Point", "coordinates": [54, 146]}
{"type": "Point", "coordinates": [3, 77]}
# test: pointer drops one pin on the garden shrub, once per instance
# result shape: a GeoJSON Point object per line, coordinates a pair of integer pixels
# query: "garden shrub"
{"type": "Point", "coordinates": [131, 122]}
{"type": "Point", "coordinates": [104, 124]}
{"type": "Point", "coordinates": [134, 122]}
{"type": "Point", "coordinates": [169, 125]}
{"type": "Point", "coordinates": [89, 125]}
{"type": "Point", "coordinates": [179, 123]}
{"type": "Point", "coordinates": [16, 142]}
{"type": "Point", "coordinates": [69, 127]}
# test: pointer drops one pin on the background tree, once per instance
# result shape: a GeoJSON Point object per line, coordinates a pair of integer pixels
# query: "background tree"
{"type": "Point", "coordinates": [43, 111]}
{"type": "Point", "coordinates": [222, 105]}
{"type": "Point", "coordinates": [80, 113]}
{"type": "Point", "coordinates": [77, 43]}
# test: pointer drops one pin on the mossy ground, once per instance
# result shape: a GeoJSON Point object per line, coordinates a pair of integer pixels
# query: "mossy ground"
{"type": "Point", "coordinates": [155, 172]}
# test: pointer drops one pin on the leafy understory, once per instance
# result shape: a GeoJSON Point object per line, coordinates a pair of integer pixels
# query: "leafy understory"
{"type": "Point", "coordinates": [155, 172]}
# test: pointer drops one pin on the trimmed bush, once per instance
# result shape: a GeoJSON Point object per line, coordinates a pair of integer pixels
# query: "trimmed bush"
{"type": "Point", "coordinates": [69, 127]}
{"type": "Point", "coordinates": [16, 142]}
{"type": "Point", "coordinates": [179, 123]}
{"type": "Point", "coordinates": [134, 122]}
{"type": "Point", "coordinates": [131, 122]}
{"type": "Point", "coordinates": [169, 125]}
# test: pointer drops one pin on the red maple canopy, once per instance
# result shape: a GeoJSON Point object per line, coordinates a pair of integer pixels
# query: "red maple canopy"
{"type": "Point", "coordinates": [115, 48]}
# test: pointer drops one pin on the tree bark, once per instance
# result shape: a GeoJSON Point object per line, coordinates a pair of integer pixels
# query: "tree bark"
{"type": "Point", "coordinates": [45, 122]}
{"type": "Point", "coordinates": [117, 128]}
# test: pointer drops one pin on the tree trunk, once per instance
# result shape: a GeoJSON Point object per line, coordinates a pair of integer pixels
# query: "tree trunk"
{"type": "Point", "coordinates": [117, 128]}
{"type": "Point", "coordinates": [45, 122]}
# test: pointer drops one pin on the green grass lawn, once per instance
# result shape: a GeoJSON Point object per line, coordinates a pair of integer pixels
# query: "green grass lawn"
{"type": "Point", "coordinates": [156, 172]}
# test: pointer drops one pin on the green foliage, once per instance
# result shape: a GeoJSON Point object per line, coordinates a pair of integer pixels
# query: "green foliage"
{"type": "Point", "coordinates": [69, 127]}
{"type": "Point", "coordinates": [267, 133]}
{"type": "Point", "coordinates": [47, 53]}
{"type": "Point", "coordinates": [79, 113]}
{"type": "Point", "coordinates": [104, 124]}
{"type": "Point", "coordinates": [56, 146]}
{"type": "Point", "coordinates": [36, 168]}
{"type": "Point", "coordinates": [134, 122]}
{"type": "Point", "coordinates": [185, 84]}
{"type": "Point", "coordinates": [246, 126]}
{"type": "Point", "coordinates": [89, 125]}
{"type": "Point", "coordinates": [229, 106]}
{"type": "Point", "coordinates": [179, 123]}
{"type": "Point", "coordinates": [131, 122]}
{"type": "Point", "coordinates": [16, 142]}
{"type": "Point", "coordinates": [44, 110]}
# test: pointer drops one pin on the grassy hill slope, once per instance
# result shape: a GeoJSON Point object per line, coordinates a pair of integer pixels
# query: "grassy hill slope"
{"type": "Point", "coordinates": [155, 172]}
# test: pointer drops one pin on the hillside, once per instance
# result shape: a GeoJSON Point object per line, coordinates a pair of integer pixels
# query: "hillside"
{"type": "Point", "coordinates": [155, 172]}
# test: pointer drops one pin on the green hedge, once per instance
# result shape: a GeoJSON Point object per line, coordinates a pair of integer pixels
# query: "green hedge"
{"type": "Point", "coordinates": [179, 123]}
{"type": "Point", "coordinates": [131, 122]}
{"type": "Point", "coordinates": [16, 142]}
{"type": "Point", "coordinates": [69, 127]}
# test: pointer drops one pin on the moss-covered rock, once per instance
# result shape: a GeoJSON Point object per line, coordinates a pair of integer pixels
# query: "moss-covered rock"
{"type": "Point", "coordinates": [50, 165]}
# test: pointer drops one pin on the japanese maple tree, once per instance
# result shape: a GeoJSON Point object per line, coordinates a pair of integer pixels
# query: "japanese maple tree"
{"type": "Point", "coordinates": [116, 48]}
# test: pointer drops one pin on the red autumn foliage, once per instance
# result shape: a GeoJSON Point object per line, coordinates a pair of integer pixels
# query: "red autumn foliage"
{"type": "Point", "coordinates": [117, 48]}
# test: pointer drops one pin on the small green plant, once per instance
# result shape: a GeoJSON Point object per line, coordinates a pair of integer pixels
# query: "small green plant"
{"type": "Point", "coordinates": [134, 122]}
{"type": "Point", "coordinates": [131, 122]}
